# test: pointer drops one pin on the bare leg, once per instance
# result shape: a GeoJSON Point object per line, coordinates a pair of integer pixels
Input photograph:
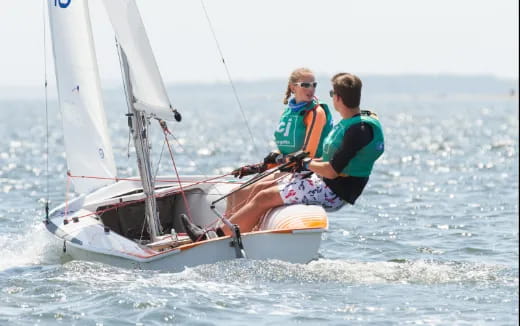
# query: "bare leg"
{"type": "Point", "coordinates": [235, 199]}
{"type": "Point", "coordinates": [241, 197]}
{"type": "Point", "coordinates": [249, 215]}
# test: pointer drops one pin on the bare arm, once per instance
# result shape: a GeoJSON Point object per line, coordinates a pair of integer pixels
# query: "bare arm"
{"type": "Point", "coordinates": [355, 138]}
{"type": "Point", "coordinates": [323, 169]}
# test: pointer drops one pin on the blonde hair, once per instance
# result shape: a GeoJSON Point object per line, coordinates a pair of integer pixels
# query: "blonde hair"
{"type": "Point", "coordinates": [296, 75]}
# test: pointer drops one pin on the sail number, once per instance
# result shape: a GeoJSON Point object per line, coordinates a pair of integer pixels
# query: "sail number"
{"type": "Point", "coordinates": [62, 3]}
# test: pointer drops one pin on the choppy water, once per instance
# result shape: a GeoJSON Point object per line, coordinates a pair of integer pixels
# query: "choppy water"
{"type": "Point", "coordinates": [433, 240]}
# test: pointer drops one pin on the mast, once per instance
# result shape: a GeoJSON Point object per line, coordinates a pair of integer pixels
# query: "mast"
{"type": "Point", "coordinates": [145, 91]}
{"type": "Point", "coordinates": [138, 127]}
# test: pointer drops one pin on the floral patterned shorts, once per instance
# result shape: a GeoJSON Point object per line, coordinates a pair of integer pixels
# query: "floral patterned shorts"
{"type": "Point", "coordinates": [299, 189]}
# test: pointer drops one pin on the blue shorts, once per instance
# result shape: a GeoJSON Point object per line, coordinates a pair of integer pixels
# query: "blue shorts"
{"type": "Point", "coordinates": [298, 189]}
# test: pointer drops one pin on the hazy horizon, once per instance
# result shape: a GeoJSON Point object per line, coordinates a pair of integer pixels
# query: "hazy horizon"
{"type": "Point", "coordinates": [373, 83]}
{"type": "Point", "coordinates": [268, 39]}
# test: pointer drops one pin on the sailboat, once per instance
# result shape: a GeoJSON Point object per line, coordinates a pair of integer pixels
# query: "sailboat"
{"type": "Point", "coordinates": [135, 222]}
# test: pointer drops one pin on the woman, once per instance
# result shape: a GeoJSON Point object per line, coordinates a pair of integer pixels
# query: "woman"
{"type": "Point", "coordinates": [304, 124]}
{"type": "Point", "coordinates": [340, 176]}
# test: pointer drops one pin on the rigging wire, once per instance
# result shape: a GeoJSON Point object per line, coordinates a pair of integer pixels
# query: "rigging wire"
{"type": "Point", "coordinates": [69, 176]}
{"type": "Point", "coordinates": [46, 112]}
{"type": "Point", "coordinates": [229, 75]}
{"type": "Point", "coordinates": [185, 199]}
{"type": "Point", "coordinates": [167, 132]}
{"type": "Point", "coordinates": [158, 164]}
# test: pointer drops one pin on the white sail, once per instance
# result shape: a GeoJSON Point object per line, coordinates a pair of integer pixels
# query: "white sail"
{"type": "Point", "coordinates": [87, 144]}
{"type": "Point", "coordinates": [147, 84]}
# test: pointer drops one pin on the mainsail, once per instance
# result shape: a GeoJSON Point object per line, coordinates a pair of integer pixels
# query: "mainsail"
{"type": "Point", "coordinates": [147, 85]}
{"type": "Point", "coordinates": [87, 143]}
{"type": "Point", "coordinates": [145, 93]}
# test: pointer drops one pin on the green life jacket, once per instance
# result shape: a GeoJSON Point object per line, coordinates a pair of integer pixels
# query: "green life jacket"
{"type": "Point", "coordinates": [362, 163]}
{"type": "Point", "coordinates": [290, 134]}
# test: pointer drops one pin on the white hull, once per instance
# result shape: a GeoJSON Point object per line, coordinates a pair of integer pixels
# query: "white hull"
{"type": "Point", "coordinates": [108, 224]}
{"type": "Point", "coordinates": [293, 248]}
{"type": "Point", "coordinates": [84, 236]}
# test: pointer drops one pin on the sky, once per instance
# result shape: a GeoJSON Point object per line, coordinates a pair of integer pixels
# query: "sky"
{"type": "Point", "coordinates": [269, 38]}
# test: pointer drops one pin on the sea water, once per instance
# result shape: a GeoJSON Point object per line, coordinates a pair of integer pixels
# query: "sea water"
{"type": "Point", "coordinates": [433, 240]}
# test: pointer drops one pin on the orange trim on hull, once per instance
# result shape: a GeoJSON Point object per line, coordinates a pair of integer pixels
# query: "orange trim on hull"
{"type": "Point", "coordinates": [287, 225]}
{"type": "Point", "coordinates": [306, 222]}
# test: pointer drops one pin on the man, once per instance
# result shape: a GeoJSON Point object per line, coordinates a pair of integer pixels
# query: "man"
{"type": "Point", "coordinates": [339, 177]}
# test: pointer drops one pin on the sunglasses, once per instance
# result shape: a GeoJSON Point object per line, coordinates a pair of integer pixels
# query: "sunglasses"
{"type": "Point", "coordinates": [307, 85]}
{"type": "Point", "coordinates": [332, 93]}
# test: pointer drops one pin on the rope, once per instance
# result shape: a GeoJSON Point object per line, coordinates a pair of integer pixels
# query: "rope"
{"type": "Point", "coordinates": [123, 204]}
{"type": "Point", "coordinates": [159, 162]}
{"type": "Point", "coordinates": [172, 191]}
{"type": "Point", "coordinates": [67, 196]}
{"type": "Point", "coordinates": [252, 194]}
{"type": "Point", "coordinates": [116, 206]}
{"type": "Point", "coordinates": [192, 161]}
{"type": "Point", "coordinates": [186, 204]}
{"type": "Point", "coordinates": [185, 152]}
{"type": "Point", "coordinates": [229, 75]}
{"type": "Point", "coordinates": [46, 112]}
{"type": "Point", "coordinates": [70, 176]}
{"type": "Point", "coordinates": [166, 131]}
{"type": "Point", "coordinates": [195, 182]}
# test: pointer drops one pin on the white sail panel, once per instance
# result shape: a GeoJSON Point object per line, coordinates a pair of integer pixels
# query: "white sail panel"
{"type": "Point", "coordinates": [87, 144]}
{"type": "Point", "coordinates": [147, 84]}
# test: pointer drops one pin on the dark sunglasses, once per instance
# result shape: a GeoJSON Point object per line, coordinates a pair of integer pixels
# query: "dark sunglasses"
{"type": "Point", "coordinates": [331, 93]}
{"type": "Point", "coordinates": [307, 85]}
